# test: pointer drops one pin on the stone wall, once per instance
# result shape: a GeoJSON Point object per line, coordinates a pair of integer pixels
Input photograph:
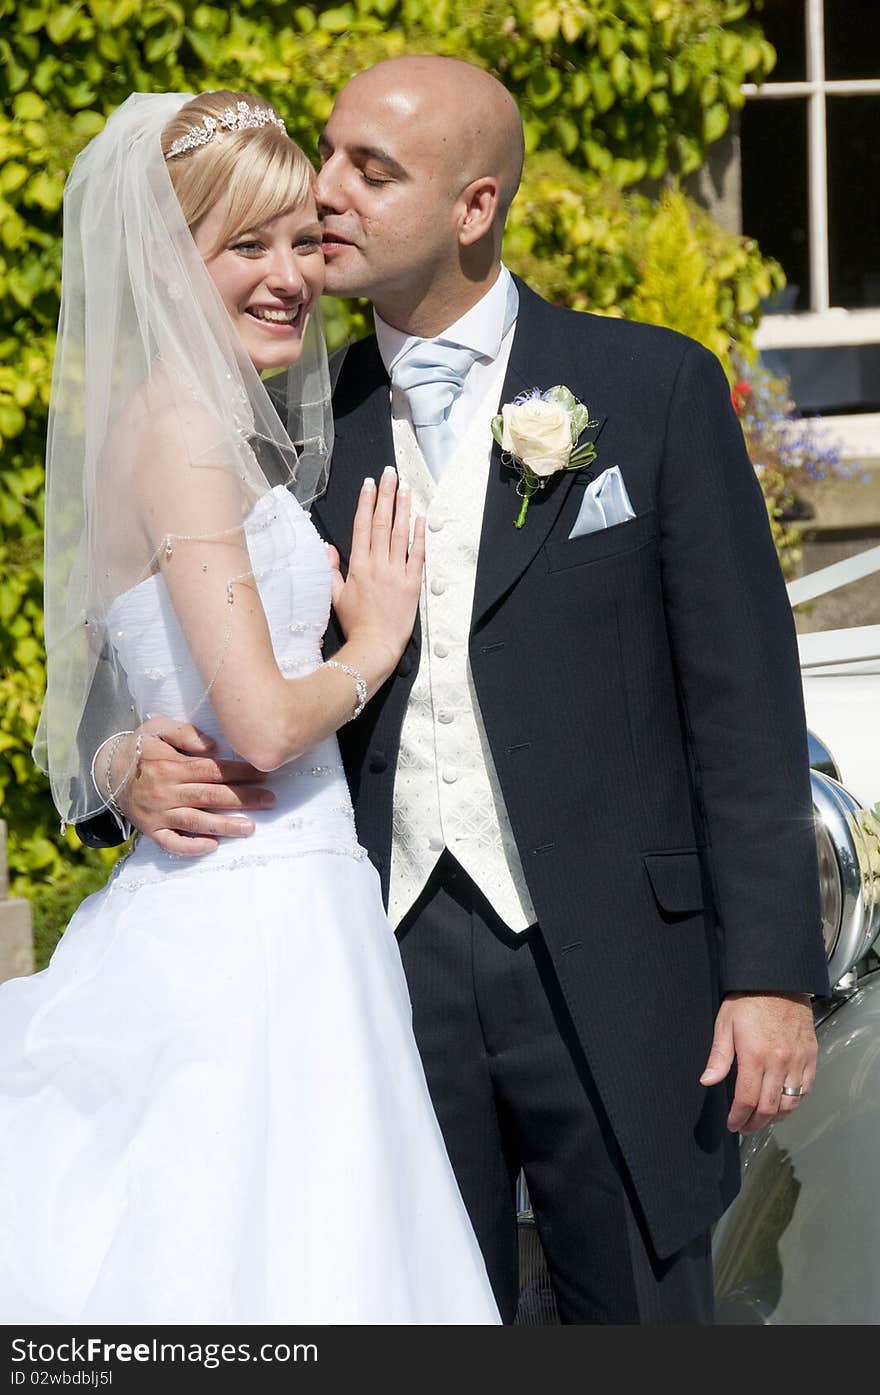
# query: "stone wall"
{"type": "Point", "coordinates": [846, 522]}
{"type": "Point", "coordinates": [16, 939]}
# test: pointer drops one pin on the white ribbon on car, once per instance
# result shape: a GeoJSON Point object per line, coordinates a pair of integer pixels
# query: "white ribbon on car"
{"type": "Point", "coordinates": [808, 588]}
{"type": "Point", "coordinates": [845, 646]}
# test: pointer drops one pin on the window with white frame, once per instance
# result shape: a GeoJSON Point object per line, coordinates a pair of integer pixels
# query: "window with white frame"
{"type": "Point", "coordinates": [811, 170]}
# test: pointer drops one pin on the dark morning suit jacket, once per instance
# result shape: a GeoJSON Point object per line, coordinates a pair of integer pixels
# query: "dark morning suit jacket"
{"type": "Point", "coordinates": [641, 696]}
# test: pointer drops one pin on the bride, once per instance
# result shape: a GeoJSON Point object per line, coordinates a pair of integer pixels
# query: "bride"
{"type": "Point", "coordinates": [212, 1108]}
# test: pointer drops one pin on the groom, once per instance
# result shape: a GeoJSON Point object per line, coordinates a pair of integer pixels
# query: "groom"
{"type": "Point", "coordinates": [586, 787]}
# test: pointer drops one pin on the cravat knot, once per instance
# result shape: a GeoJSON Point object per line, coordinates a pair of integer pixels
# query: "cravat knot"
{"type": "Point", "coordinates": [431, 374]}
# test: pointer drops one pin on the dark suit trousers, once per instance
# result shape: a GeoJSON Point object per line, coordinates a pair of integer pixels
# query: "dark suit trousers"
{"type": "Point", "coordinates": [512, 1090]}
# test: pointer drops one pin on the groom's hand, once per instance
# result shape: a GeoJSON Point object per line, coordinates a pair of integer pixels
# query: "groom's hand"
{"type": "Point", "coordinates": [180, 795]}
{"type": "Point", "coordinates": [771, 1035]}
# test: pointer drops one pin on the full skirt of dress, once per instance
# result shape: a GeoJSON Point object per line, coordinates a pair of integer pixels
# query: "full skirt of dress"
{"type": "Point", "coordinates": [212, 1110]}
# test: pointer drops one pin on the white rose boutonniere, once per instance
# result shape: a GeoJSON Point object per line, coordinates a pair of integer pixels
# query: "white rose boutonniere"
{"type": "Point", "coordinates": [538, 434]}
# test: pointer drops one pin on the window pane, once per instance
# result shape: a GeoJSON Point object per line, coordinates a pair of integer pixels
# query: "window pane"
{"type": "Point", "coordinates": [852, 39]}
{"type": "Point", "coordinates": [784, 24]}
{"type": "Point", "coordinates": [854, 200]}
{"type": "Point", "coordinates": [774, 189]}
{"type": "Point", "coordinates": [840, 378]}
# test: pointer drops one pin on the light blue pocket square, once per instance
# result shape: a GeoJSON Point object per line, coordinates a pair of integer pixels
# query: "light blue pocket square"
{"type": "Point", "coordinates": [605, 503]}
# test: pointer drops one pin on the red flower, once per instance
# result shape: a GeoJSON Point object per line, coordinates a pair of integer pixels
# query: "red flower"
{"type": "Point", "coordinates": [740, 394]}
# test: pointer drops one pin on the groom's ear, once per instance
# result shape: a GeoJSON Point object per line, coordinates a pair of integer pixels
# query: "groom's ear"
{"type": "Point", "coordinates": [479, 208]}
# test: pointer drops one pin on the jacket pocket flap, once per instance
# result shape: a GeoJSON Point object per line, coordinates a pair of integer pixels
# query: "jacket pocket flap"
{"type": "Point", "coordinates": [676, 879]}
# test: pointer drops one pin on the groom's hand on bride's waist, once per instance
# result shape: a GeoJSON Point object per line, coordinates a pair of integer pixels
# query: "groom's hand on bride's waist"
{"type": "Point", "coordinates": [178, 793]}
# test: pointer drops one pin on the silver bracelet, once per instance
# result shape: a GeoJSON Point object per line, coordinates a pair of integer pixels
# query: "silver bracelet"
{"type": "Point", "coordinates": [108, 770]}
{"type": "Point", "coordinates": [359, 681]}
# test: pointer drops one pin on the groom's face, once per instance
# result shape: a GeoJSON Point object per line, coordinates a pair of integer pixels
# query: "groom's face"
{"type": "Point", "coordinates": [388, 190]}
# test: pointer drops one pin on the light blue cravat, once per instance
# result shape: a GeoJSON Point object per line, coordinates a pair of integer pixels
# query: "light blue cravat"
{"type": "Point", "coordinates": [431, 374]}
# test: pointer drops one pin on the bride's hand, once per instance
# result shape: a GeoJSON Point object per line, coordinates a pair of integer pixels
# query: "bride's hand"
{"type": "Point", "coordinates": [378, 600]}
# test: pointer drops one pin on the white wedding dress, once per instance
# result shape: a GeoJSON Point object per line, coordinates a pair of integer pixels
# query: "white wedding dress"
{"type": "Point", "coordinates": [212, 1108]}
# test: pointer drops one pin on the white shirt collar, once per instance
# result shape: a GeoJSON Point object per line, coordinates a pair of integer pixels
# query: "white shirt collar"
{"type": "Point", "coordinates": [481, 327]}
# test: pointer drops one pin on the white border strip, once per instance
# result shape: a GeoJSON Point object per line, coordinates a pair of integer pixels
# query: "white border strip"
{"type": "Point", "coordinates": [839, 646]}
{"type": "Point", "coordinates": [808, 588]}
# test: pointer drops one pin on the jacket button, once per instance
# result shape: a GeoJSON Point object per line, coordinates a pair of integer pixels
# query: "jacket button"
{"type": "Point", "coordinates": [378, 762]}
{"type": "Point", "coordinates": [404, 668]}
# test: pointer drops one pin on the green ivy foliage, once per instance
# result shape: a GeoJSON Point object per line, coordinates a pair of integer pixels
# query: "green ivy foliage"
{"type": "Point", "coordinates": [589, 245]}
{"type": "Point", "coordinates": [613, 93]}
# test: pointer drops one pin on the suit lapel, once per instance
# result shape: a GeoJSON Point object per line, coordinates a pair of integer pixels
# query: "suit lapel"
{"type": "Point", "coordinates": [363, 443]}
{"type": "Point", "coordinates": [537, 359]}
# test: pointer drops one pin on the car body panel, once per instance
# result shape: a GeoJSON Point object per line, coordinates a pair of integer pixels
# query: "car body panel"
{"type": "Point", "coordinates": [843, 709]}
{"type": "Point", "coordinates": [801, 1243]}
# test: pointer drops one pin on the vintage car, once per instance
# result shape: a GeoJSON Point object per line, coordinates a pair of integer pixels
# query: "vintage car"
{"type": "Point", "coordinates": [801, 1244]}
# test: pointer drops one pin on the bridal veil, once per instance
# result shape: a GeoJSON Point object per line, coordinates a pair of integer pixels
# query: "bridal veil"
{"type": "Point", "coordinates": [162, 440]}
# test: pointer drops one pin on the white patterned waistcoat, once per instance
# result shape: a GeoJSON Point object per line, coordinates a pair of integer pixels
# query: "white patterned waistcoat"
{"type": "Point", "coordinates": [446, 791]}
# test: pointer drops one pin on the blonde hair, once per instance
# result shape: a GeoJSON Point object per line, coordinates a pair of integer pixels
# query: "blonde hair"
{"type": "Point", "coordinates": [262, 171]}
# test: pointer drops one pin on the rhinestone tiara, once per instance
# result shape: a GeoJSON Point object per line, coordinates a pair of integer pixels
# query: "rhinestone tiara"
{"type": "Point", "coordinates": [238, 118]}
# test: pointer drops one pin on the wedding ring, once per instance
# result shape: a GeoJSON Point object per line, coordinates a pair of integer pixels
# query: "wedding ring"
{"type": "Point", "coordinates": [793, 1090]}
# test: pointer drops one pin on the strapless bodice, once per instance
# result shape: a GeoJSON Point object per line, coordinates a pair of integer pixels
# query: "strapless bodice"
{"type": "Point", "coordinates": [292, 572]}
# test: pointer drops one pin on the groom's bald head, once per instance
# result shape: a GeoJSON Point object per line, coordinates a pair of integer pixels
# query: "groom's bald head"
{"type": "Point", "coordinates": [470, 119]}
{"type": "Point", "coordinates": [422, 157]}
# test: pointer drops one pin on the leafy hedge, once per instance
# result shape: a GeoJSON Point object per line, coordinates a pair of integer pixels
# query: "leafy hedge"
{"type": "Point", "coordinates": [613, 92]}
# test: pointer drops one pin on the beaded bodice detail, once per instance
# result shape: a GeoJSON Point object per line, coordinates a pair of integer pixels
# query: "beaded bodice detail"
{"type": "Point", "coordinates": [313, 810]}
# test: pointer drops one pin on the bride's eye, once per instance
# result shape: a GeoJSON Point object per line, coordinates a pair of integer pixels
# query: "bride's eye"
{"type": "Point", "coordinates": [248, 247]}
